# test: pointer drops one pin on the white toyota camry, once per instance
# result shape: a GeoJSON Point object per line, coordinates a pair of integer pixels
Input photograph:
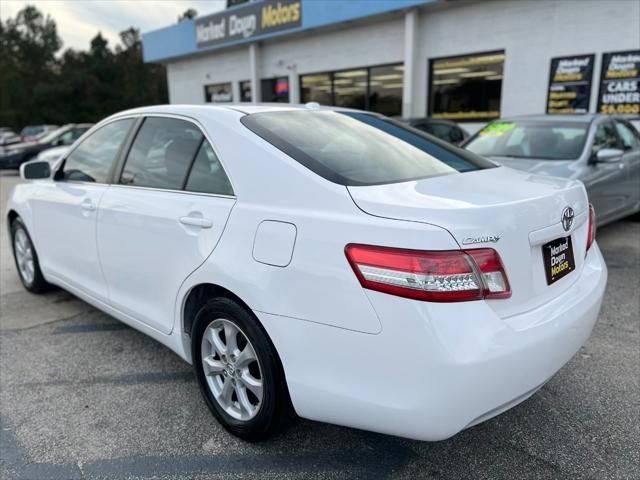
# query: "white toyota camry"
{"type": "Point", "coordinates": [332, 263]}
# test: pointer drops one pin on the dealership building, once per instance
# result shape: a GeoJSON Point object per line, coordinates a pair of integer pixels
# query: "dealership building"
{"type": "Point", "coordinates": [467, 61]}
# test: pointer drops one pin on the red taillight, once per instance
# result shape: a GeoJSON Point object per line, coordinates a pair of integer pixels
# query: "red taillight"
{"type": "Point", "coordinates": [435, 276]}
{"type": "Point", "coordinates": [591, 233]}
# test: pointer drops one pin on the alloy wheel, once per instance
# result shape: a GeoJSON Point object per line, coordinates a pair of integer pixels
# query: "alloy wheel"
{"type": "Point", "coordinates": [24, 256]}
{"type": "Point", "coordinates": [232, 369]}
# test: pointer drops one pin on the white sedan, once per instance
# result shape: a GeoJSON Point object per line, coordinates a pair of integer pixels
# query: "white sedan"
{"type": "Point", "coordinates": [52, 155]}
{"type": "Point", "coordinates": [332, 263]}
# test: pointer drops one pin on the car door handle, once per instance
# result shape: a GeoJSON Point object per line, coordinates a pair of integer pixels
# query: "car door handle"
{"type": "Point", "coordinates": [196, 222]}
{"type": "Point", "coordinates": [88, 205]}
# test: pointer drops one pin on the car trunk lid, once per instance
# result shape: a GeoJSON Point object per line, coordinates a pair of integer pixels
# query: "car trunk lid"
{"type": "Point", "coordinates": [511, 211]}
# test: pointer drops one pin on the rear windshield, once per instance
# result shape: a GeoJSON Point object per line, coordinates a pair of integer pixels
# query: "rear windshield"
{"type": "Point", "coordinates": [539, 140]}
{"type": "Point", "coordinates": [353, 148]}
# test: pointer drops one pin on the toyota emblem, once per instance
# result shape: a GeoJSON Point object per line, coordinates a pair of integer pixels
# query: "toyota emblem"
{"type": "Point", "coordinates": [567, 218]}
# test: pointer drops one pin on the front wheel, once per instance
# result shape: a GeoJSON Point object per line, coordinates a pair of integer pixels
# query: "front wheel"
{"type": "Point", "coordinates": [26, 259]}
{"type": "Point", "coordinates": [238, 371]}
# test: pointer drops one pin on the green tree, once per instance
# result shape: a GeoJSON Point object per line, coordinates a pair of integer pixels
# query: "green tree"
{"type": "Point", "coordinates": [77, 86]}
{"type": "Point", "coordinates": [28, 45]}
{"type": "Point", "coordinates": [188, 14]}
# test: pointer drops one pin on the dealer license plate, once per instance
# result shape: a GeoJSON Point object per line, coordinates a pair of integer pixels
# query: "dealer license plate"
{"type": "Point", "coordinates": [558, 259]}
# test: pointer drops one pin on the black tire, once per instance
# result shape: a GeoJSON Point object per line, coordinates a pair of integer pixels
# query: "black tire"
{"type": "Point", "coordinates": [275, 411]}
{"type": "Point", "coordinates": [38, 284]}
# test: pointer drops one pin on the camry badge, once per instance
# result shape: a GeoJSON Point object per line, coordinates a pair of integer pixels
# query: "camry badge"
{"type": "Point", "coordinates": [567, 218]}
{"type": "Point", "coordinates": [482, 239]}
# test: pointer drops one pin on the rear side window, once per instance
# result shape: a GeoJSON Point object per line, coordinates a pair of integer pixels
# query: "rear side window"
{"type": "Point", "coordinates": [161, 154]}
{"type": "Point", "coordinates": [353, 148]}
{"type": "Point", "coordinates": [92, 159]}
{"type": "Point", "coordinates": [207, 174]}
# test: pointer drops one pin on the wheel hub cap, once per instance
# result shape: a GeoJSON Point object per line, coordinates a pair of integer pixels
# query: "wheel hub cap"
{"type": "Point", "coordinates": [232, 369]}
{"type": "Point", "coordinates": [24, 256]}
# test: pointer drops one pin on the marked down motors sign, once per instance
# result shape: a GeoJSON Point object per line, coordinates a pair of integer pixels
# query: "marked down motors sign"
{"type": "Point", "coordinates": [570, 84]}
{"type": "Point", "coordinates": [620, 83]}
{"type": "Point", "coordinates": [249, 21]}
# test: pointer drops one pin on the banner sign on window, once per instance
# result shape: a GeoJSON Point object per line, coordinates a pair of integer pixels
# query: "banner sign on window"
{"type": "Point", "coordinates": [620, 83]}
{"type": "Point", "coordinates": [570, 84]}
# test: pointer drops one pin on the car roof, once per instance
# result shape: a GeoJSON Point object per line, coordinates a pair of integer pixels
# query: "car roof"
{"type": "Point", "coordinates": [245, 108]}
{"type": "Point", "coordinates": [432, 120]}
{"type": "Point", "coordinates": [581, 118]}
{"type": "Point", "coordinates": [75, 125]}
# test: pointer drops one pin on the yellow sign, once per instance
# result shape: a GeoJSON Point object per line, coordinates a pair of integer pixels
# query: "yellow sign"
{"type": "Point", "coordinates": [278, 15]}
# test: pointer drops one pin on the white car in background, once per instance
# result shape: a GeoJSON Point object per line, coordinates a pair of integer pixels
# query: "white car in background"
{"type": "Point", "coordinates": [324, 261]}
{"type": "Point", "coordinates": [52, 155]}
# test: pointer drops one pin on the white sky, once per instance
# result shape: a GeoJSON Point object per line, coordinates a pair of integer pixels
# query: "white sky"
{"type": "Point", "coordinates": [78, 21]}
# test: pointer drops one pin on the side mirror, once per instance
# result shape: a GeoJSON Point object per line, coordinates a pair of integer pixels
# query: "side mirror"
{"type": "Point", "coordinates": [37, 170]}
{"type": "Point", "coordinates": [608, 155]}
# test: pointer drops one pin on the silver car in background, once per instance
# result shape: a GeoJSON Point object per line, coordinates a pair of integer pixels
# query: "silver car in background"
{"type": "Point", "coordinates": [600, 150]}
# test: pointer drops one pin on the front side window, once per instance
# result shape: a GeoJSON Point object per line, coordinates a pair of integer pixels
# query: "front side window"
{"type": "Point", "coordinates": [449, 133]}
{"type": "Point", "coordinates": [161, 154]}
{"type": "Point", "coordinates": [466, 88]}
{"type": "Point", "coordinates": [352, 148]}
{"type": "Point", "coordinates": [605, 137]}
{"type": "Point", "coordinates": [207, 174]}
{"type": "Point", "coordinates": [92, 159]}
{"type": "Point", "coordinates": [66, 138]}
{"type": "Point", "coordinates": [539, 140]}
{"type": "Point", "coordinates": [629, 140]}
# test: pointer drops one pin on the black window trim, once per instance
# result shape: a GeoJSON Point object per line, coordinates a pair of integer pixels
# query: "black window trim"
{"type": "Point", "coordinates": [118, 165]}
{"type": "Point", "coordinates": [117, 173]}
{"type": "Point", "coordinates": [191, 162]}
{"type": "Point", "coordinates": [429, 105]}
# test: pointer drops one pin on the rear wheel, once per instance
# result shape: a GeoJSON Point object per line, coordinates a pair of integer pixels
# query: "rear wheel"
{"type": "Point", "coordinates": [238, 370]}
{"type": "Point", "coordinates": [26, 259]}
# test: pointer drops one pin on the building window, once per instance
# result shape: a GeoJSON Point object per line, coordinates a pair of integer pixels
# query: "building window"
{"type": "Point", "coordinates": [275, 90]}
{"type": "Point", "coordinates": [218, 93]}
{"type": "Point", "coordinates": [350, 88]}
{"type": "Point", "coordinates": [385, 91]}
{"type": "Point", "coordinates": [466, 88]}
{"type": "Point", "coordinates": [245, 91]}
{"type": "Point", "coordinates": [378, 89]}
{"type": "Point", "coordinates": [316, 88]}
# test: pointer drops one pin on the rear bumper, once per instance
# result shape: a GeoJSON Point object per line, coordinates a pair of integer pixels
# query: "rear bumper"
{"type": "Point", "coordinates": [434, 369]}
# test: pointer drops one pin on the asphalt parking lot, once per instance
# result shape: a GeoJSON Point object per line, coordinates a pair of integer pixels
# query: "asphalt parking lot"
{"type": "Point", "coordinates": [84, 396]}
